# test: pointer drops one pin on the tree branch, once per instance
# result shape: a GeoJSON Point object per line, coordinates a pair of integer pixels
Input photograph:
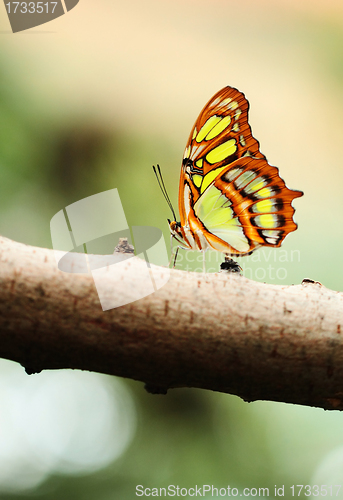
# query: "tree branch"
{"type": "Point", "coordinates": [214, 331]}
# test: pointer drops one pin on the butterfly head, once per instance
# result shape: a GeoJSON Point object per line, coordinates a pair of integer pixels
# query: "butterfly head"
{"type": "Point", "coordinates": [175, 229]}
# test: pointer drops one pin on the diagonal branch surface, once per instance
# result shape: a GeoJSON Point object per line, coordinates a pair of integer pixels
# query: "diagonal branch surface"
{"type": "Point", "coordinates": [214, 331]}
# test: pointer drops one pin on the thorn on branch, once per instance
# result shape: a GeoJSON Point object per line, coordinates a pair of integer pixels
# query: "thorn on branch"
{"type": "Point", "coordinates": [155, 389]}
{"type": "Point", "coordinates": [308, 281]}
{"type": "Point", "coordinates": [31, 371]}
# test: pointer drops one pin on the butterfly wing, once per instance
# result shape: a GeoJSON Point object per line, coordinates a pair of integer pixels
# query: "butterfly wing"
{"type": "Point", "coordinates": [220, 135]}
{"type": "Point", "coordinates": [230, 198]}
{"type": "Point", "coordinates": [246, 206]}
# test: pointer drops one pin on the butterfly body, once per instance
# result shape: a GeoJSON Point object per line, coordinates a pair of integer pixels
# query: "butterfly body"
{"type": "Point", "coordinates": [230, 198]}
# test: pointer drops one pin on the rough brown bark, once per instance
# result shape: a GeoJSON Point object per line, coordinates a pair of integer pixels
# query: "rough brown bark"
{"type": "Point", "coordinates": [214, 331]}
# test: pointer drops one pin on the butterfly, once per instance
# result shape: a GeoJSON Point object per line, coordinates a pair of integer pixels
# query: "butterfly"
{"type": "Point", "coordinates": [230, 198]}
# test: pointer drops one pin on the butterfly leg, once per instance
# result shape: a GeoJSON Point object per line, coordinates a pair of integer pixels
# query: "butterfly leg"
{"type": "Point", "coordinates": [171, 251]}
{"type": "Point", "coordinates": [177, 251]}
{"type": "Point", "coordinates": [172, 254]}
{"type": "Point", "coordinates": [203, 261]}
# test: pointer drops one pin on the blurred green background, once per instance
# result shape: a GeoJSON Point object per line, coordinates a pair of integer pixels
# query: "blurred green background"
{"type": "Point", "coordinates": [90, 102]}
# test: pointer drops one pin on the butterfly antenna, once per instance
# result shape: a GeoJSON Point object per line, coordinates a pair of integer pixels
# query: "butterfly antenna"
{"type": "Point", "coordinates": [160, 181]}
{"type": "Point", "coordinates": [166, 193]}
